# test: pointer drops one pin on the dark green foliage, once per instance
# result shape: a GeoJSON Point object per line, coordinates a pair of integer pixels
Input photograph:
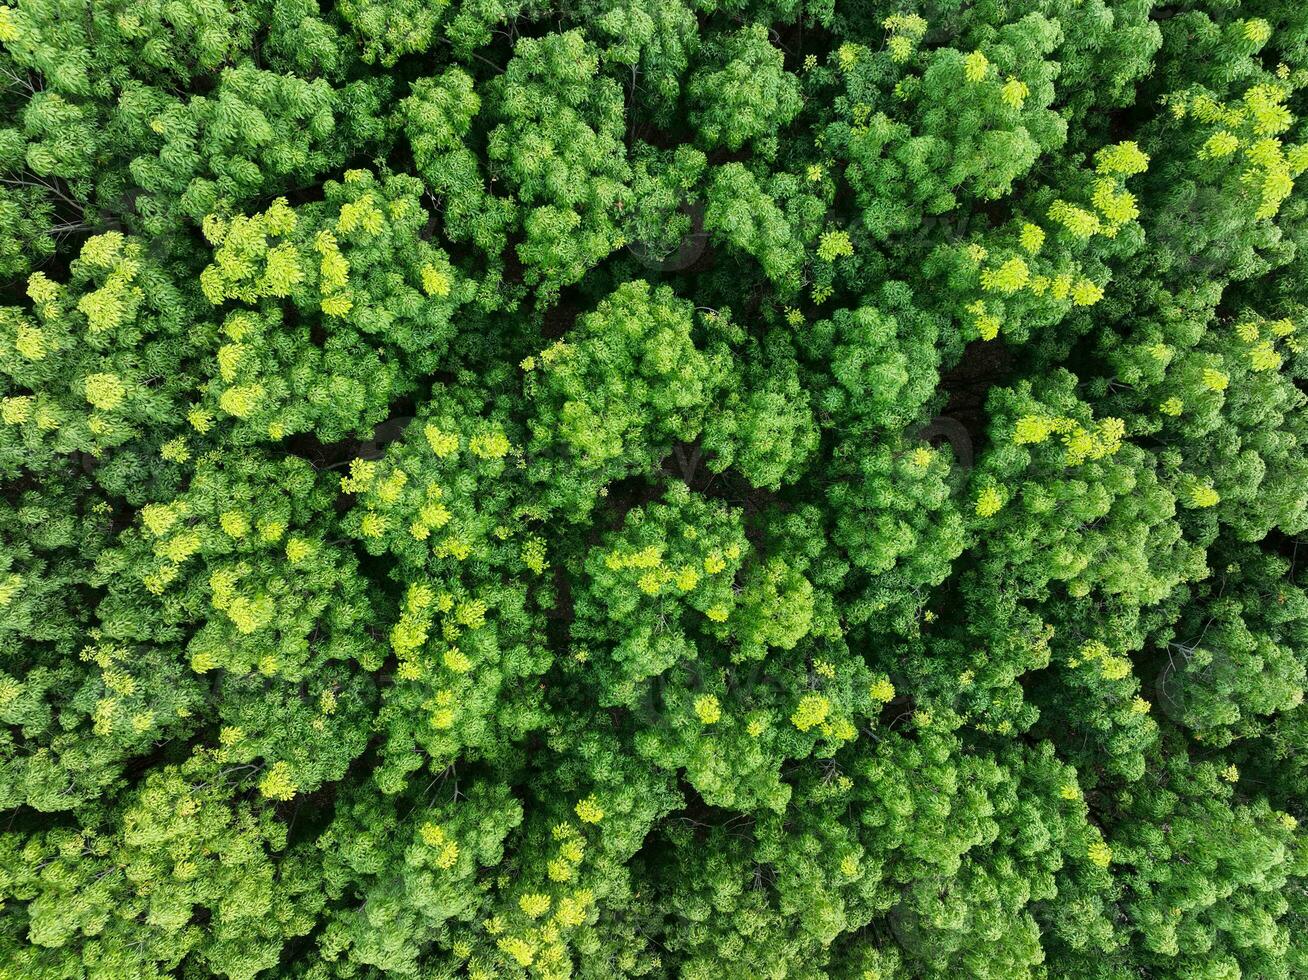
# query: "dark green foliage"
{"type": "Point", "coordinates": [661, 488]}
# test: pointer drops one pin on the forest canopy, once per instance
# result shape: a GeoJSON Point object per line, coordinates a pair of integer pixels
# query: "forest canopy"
{"type": "Point", "coordinates": [708, 489]}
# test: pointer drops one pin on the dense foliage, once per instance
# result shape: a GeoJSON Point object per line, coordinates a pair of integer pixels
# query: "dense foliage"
{"type": "Point", "coordinates": [653, 488]}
